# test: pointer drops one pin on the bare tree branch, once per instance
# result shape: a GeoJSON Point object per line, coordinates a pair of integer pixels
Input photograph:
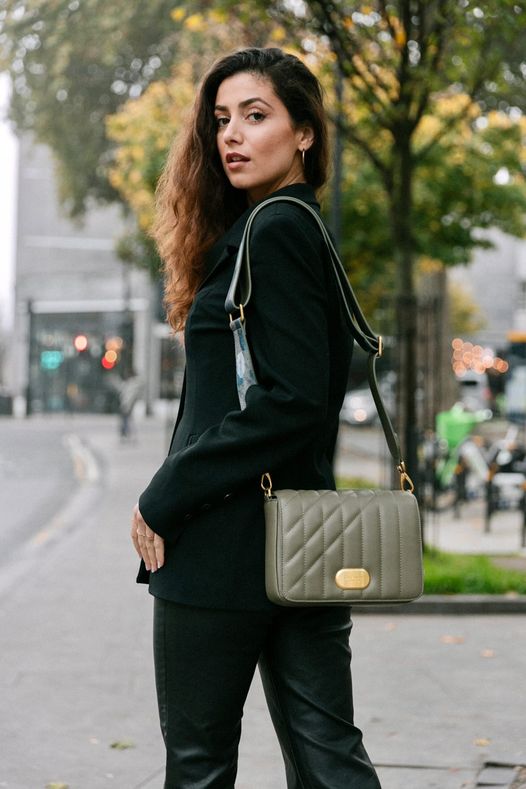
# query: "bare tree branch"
{"type": "Point", "coordinates": [448, 124]}
{"type": "Point", "coordinates": [485, 69]}
{"type": "Point", "coordinates": [350, 132]}
{"type": "Point", "coordinates": [350, 54]}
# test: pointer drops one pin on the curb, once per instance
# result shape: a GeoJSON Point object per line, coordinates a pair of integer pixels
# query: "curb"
{"type": "Point", "coordinates": [451, 604]}
{"type": "Point", "coordinates": [500, 774]}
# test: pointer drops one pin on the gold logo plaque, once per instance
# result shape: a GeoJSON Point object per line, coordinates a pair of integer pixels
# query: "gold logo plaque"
{"type": "Point", "coordinates": [352, 578]}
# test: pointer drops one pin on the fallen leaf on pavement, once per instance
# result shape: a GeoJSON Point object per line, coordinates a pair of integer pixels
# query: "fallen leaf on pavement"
{"type": "Point", "coordinates": [122, 745]}
{"type": "Point", "coordinates": [481, 741]}
{"type": "Point", "coordinates": [55, 785]}
{"type": "Point", "coordinates": [452, 639]}
{"type": "Point", "coordinates": [487, 653]}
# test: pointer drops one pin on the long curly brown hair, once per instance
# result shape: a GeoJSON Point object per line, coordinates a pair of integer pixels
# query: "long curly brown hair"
{"type": "Point", "coordinates": [195, 202]}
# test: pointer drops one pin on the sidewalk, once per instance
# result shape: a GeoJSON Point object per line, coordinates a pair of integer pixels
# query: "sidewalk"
{"type": "Point", "coordinates": [364, 455]}
{"type": "Point", "coordinates": [437, 696]}
{"type": "Point", "coordinates": [466, 533]}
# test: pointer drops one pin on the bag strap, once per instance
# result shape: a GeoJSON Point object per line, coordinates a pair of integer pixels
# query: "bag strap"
{"type": "Point", "coordinates": [240, 291]}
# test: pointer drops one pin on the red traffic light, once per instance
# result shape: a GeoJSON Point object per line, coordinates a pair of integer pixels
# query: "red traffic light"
{"type": "Point", "coordinates": [109, 360]}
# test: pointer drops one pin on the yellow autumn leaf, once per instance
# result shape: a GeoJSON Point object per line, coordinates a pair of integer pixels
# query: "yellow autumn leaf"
{"type": "Point", "coordinates": [178, 14]}
{"type": "Point", "coordinates": [217, 17]}
{"type": "Point", "coordinates": [278, 33]}
{"type": "Point", "coordinates": [400, 37]}
{"type": "Point", "coordinates": [195, 23]}
{"type": "Point", "coordinates": [122, 745]}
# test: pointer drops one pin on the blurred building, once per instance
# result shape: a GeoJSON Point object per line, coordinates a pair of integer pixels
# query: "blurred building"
{"type": "Point", "coordinates": [82, 317]}
{"type": "Point", "coordinates": [496, 282]}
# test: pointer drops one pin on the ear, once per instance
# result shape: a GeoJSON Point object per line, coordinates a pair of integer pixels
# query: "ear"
{"type": "Point", "coordinates": [305, 138]}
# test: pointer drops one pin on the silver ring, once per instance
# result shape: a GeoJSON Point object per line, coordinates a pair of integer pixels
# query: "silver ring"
{"type": "Point", "coordinates": [141, 534]}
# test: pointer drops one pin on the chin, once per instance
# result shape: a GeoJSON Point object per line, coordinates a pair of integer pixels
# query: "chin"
{"type": "Point", "coordinates": [242, 183]}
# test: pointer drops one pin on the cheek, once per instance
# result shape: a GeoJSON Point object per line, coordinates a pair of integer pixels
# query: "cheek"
{"type": "Point", "coordinates": [278, 144]}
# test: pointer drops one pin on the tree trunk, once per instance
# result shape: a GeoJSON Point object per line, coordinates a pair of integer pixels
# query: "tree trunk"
{"type": "Point", "coordinates": [406, 304]}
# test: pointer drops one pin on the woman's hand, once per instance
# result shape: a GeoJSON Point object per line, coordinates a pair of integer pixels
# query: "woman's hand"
{"type": "Point", "coordinates": [148, 545]}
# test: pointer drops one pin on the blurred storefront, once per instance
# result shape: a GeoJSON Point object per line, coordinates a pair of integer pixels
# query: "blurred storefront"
{"type": "Point", "coordinates": [82, 317]}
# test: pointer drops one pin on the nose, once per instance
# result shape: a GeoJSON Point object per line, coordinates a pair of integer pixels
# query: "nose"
{"type": "Point", "coordinates": [232, 132]}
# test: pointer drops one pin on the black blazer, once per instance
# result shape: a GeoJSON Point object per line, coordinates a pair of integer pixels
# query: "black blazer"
{"type": "Point", "coordinates": [206, 499]}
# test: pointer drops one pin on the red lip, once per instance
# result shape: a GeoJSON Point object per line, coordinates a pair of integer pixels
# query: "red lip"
{"type": "Point", "coordinates": [233, 156]}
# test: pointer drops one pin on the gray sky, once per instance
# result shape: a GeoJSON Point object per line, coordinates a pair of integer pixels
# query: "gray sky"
{"type": "Point", "coordinates": [8, 154]}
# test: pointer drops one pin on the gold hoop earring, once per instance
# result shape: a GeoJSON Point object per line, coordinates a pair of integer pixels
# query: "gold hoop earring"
{"type": "Point", "coordinates": [303, 157]}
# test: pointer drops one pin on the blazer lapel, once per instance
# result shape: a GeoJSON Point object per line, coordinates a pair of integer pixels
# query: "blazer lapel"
{"type": "Point", "coordinates": [225, 247]}
{"type": "Point", "coordinates": [229, 243]}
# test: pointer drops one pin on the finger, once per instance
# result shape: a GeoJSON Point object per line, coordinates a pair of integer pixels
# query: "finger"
{"type": "Point", "coordinates": [150, 545]}
{"type": "Point", "coordinates": [149, 540]}
{"type": "Point", "coordinates": [134, 534]}
{"type": "Point", "coordinates": [143, 550]}
{"type": "Point", "coordinates": [139, 528]}
{"type": "Point", "coordinates": [158, 545]}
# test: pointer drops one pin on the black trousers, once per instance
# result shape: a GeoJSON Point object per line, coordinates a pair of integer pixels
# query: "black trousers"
{"type": "Point", "coordinates": [204, 663]}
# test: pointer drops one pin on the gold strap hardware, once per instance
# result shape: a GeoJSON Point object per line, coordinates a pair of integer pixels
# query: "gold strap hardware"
{"type": "Point", "coordinates": [241, 314]}
{"type": "Point", "coordinates": [380, 350]}
{"type": "Point", "coordinates": [405, 478]}
{"type": "Point", "coordinates": [266, 484]}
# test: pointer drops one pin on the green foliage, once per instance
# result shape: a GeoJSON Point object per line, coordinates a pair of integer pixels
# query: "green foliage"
{"type": "Point", "coordinates": [350, 483]}
{"type": "Point", "coordinates": [142, 130]}
{"type": "Point", "coordinates": [138, 249]}
{"type": "Point", "coordinates": [72, 64]}
{"type": "Point", "coordinates": [466, 317]}
{"type": "Point", "coordinates": [455, 197]}
{"type": "Point", "coordinates": [447, 573]}
{"type": "Point", "coordinates": [417, 77]}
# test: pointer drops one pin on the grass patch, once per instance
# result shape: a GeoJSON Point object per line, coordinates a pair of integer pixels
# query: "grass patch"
{"type": "Point", "coordinates": [353, 483]}
{"type": "Point", "coordinates": [453, 573]}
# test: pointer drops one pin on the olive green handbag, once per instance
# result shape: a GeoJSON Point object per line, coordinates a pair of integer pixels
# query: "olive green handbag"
{"type": "Point", "coordinates": [331, 547]}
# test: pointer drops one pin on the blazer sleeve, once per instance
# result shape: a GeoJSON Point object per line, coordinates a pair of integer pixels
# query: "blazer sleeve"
{"type": "Point", "coordinates": [286, 324]}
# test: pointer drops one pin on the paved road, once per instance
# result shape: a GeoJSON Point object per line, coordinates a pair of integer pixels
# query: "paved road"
{"type": "Point", "coordinates": [437, 696]}
{"type": "Point", "coordinates": [362, 452]}
{"type": "Point", "coordinates": [36, 476]}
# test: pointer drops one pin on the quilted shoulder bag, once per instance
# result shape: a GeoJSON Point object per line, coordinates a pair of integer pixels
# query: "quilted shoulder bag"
{"type": "Point", "coordinates": [332, 547]}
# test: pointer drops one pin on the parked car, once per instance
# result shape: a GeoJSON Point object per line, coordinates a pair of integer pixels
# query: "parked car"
{"type": "Point", "coordinates": [359, 407]}
{"type": "Point", "coordinates": [474, 391]}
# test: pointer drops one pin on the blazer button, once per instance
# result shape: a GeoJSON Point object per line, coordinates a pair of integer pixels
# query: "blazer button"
{"type": "Point", "coordinates": [227, 496]}
{"type": "Point", "coordinates": [188, 516]}
{"type": "Point", "coordinates": [205, 506]}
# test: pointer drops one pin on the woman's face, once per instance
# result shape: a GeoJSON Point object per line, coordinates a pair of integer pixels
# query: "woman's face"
{"type": "Point", "coordinates": [258, 145]}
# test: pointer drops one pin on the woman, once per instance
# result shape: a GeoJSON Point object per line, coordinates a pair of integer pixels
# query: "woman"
{"type": "Point", "coordinates": [258, 129]}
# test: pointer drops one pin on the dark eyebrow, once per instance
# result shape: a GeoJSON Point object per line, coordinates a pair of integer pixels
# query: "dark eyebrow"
{"type": "Point", "coordinates": [243, 104]}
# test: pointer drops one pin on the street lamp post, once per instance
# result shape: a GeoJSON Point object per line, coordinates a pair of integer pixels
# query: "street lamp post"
{"type": "Point", "coordinates": [30, 357]}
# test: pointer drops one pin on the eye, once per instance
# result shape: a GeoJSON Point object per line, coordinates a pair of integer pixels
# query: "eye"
{"type": "Point", "coordinates": [256, 116]}
{"type": "Point", "coordinates": [221, 121]}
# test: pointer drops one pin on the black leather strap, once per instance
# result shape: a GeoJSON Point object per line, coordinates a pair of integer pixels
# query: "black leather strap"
{"type": "Point", "coordinates": [240, 291]}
